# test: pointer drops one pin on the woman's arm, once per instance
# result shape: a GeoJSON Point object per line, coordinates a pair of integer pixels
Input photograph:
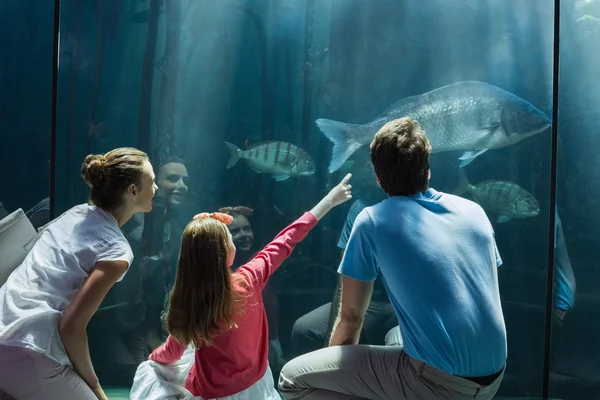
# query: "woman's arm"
{"type": "Point", "coordinates": [76, 317]}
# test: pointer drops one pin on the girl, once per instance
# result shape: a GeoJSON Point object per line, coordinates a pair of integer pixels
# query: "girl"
{"type": "Point", "coordinates": [219, 315]}
{"type": "Point", "coordinates": [49, 299]}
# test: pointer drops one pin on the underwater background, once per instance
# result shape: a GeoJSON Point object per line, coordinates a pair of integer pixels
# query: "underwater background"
{"type": "Point", "coordinates": [180, 78]}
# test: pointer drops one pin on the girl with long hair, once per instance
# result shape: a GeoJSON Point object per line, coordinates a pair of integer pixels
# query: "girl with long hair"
{"type": "Point", "coordinates": [216, 317]}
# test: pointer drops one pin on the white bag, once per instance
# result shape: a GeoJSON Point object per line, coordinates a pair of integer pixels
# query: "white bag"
{"type": "Point", "coordinates": [16, 239]}
{"type": "Point", "coordinates": [167, 382]}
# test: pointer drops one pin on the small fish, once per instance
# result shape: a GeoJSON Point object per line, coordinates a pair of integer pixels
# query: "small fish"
{"type": "Point", "coordinates": [163, 65]}
{"type": "Point", "coordinates": [505, 199]}
{"type": "Point", "coordinates": [279, 159]}
{"type": "Point", "coordinates": [470, 116]}
{"type": "Point", "coordinates": [321, 55]}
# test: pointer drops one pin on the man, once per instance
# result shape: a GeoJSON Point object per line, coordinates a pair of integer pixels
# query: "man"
{"type": "Point", "coordinates": [438, 260]}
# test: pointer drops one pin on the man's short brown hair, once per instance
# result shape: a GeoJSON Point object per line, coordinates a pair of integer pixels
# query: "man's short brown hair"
{"type": "Point", "coordinates": [400, 156]}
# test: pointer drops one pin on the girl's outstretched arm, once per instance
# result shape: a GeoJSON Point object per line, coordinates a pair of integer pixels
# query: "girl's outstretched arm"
{"type": "Point", "coordinates": [272, 256]}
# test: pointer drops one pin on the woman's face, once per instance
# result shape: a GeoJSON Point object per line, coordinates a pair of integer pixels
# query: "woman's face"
{"type": "Point", "coordinates": [241, 233]}
{"type": "Point", "coordinates": [144, 193]}
{"type": "Point", "coordinates": [173, 182]}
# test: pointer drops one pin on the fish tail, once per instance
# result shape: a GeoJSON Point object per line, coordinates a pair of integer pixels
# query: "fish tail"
{"type": "Point", "coordinates": [234, 154]}
{"type": "Point", "coordinates": [463, 184]}
{"type": "Point", "coordinates": [344, 139]}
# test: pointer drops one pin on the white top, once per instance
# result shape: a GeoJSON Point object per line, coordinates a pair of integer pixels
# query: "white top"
{"type": "Point", "coordinates": [41, 288]}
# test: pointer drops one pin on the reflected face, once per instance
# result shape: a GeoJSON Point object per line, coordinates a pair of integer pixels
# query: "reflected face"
{"type": "Point", "coordinates": [144, 192]}
{"type": "Point", "coordinates": [173, 182]}
{"type": "Point", "coordinates": [241, 233]}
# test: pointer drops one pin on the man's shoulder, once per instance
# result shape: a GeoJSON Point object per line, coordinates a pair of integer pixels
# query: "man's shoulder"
{"type": "Point", "coordinates": [470, 211]}
{"type": "Point", "coordinates": [458, 203]}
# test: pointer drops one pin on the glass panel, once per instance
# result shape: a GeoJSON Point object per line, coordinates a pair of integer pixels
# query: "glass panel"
{"type": "Point", "coordinates": [574, 356]}
{"type": "Point", "coordinates": [26, 108]}
{"type": "Point", "coordinates": [180, 78]}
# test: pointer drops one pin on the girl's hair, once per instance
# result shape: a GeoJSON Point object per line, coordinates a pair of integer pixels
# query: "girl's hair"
{"type": "Point", "coordinates": [204, 301]}
{"type": "Point", "coordinates": [237, 211]}
{"type": "Point", "coordinates": [110, 174]}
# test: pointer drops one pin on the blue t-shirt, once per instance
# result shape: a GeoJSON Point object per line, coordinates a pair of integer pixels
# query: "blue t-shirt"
{"type": "Point", "coordinates": [379, 293]}
{"type": "Point", "coordinates": [438, 260]}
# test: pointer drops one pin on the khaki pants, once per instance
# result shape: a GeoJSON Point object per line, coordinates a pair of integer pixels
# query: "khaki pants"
{"type": "Point", "coordinates": [28, 375]}
{"type": "Point", "coordinates": [374, 372]}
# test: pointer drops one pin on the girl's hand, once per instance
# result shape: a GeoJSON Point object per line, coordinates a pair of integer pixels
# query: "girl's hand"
{"type": "Point", "coordinates": [341, 193]}
{"type": "Point", "coordinates": [336, 196]}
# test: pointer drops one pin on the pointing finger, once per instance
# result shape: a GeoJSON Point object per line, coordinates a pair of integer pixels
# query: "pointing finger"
{"type": "Point", "coordinates": [346, 178]}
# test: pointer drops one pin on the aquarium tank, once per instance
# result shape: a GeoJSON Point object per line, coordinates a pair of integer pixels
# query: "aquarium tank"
{"type": "Point", "coordinates": [260, 107]}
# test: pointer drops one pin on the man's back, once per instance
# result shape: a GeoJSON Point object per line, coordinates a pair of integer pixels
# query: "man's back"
{"type": "Point", "coordinates": [437, 257]}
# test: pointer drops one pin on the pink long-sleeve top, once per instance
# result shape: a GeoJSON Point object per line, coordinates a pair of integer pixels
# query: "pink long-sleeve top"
{"type": "Point", "coordinates": [238, 358]}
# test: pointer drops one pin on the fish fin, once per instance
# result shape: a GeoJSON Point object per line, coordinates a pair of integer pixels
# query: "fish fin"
{"type": "Point", "coordinates": [343, 137]}
{"type": "Point", "coordinates": [234, 154]}
{"type": "Point", "coordinates": [280, 178]}
{"type": "Point", "coordinates": [469, 156]}
{"type": "Point", "coordinates": [463, 184]}
{"type": "Point", "coordinates": [503, 218]}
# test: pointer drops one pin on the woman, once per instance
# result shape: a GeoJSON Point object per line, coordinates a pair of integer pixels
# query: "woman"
{"type": "Point", "coordinates": [48, 300]}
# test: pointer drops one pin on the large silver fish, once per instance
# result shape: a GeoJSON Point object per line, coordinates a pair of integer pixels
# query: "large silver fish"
{"type": "Point", "coordinates": [470, 116]}
{"type": "Point", "coordinates": [279, 159]}
{"type": "Point", "coordinates": [506, 200]}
